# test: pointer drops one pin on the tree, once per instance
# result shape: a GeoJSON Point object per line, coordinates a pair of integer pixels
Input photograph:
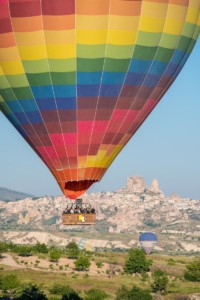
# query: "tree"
{"type": "Point", "coordinates": [54, 254]}
{"type": "Point", "coordinates": [82, 263]}
{"type": "Point", "coordinates": [9, 284]}
{"type": "Point", "coordinates": [193, 271]}
{"type": "Point", "coordinates": [160, 281]}
{"type": "Point", "coordinates": [133, 294]}
{"type": "Point", "coordinates": [71, 296]}
{"type": "Point", "coordinates": [95, 294]}
{"type": "Point", "coordinates": [40, 248]}
{"type": "Point", "coordinates": [3, 248]}
{"type": "Point", "coordinates": [57, 289]}
{"type": "Point", "coordinates": [61, 289]}
{"type": "Point", "coordinates": [137, 262]}
{"type": "Point", "coordinates": [138, 294]}
{"type": "Point", "coordinates": [24, 250]}
{"type": "Point", "coordinates": [32, 292]}
{"type": "Point", "coordinates": [72, 250]}
{"type": "Point", "coordinates": [66, 291]}
{"type": "Point", "coordinates": [13, 247]}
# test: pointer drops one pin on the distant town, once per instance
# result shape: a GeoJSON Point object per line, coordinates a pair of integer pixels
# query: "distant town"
{"type": "Point", "coordinates": [121, 216]}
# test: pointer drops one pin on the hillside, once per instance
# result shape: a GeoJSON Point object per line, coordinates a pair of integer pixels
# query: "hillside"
{"type": "Point", "coordinates": [104, 273]}
{"type": "Point", "coordinates": [8, 195]}
{"type": "Point", "coordinates": [121, 216]}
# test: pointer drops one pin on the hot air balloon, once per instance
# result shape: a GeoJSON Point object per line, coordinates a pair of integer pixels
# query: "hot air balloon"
{"type": "Point", "coordinates": [86, 244]}
{"type": "Point", "coordinates": [79, 213]}
{"type": "Point", "coordinates": [147, 241]}
{"type": "Point", "coordinates": [79, 77]}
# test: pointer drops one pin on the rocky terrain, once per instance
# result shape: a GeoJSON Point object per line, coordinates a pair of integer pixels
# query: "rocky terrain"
{"type": "Point", "coordinates": [121, 217]}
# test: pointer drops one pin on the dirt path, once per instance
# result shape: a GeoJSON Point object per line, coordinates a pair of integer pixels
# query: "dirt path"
{"type": "Point", "coordinates": [30, 263]}
{"type": "Point", "coordinates": [8, 260]}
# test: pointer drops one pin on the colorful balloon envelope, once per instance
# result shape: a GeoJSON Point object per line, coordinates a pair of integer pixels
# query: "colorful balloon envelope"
{"type": "Point", "coordinates": [79, 77]}
{"type": "Point", "coordinates": [148, 240]}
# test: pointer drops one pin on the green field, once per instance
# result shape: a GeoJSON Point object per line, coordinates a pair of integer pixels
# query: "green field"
{"type": "Point", "coordinates": [110, 279]}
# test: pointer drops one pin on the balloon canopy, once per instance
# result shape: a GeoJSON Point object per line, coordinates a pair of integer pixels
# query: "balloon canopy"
{"type": "Point", "coordinates": [147, 241]}
{"type": "Point", "coordinates": [79, 77]}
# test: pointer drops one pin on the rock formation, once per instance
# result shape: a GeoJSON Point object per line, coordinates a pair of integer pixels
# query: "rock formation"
{"type": "Point", "coordinates": [135, 184]}
{"type": "Point", "coordinates": [154, 186]}
{"type": "Point", "coordinates": [131, 210]}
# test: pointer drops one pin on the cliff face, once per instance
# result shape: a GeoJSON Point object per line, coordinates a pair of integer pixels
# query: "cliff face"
{"type": "Point", "coordinates": [131, 210]}
{"type": "Point", "coordinates": [135, 184]}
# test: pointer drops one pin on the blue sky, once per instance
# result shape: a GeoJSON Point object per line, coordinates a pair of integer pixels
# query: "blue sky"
{"type": "Point", "coordinates": [166, 147]}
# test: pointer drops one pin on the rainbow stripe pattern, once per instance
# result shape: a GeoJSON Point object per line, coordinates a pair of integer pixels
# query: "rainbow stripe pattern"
{"type": "Point", "coordinates": [79, 77]}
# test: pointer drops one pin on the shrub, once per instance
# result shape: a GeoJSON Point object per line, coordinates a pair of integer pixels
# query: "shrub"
{"type": "Point", "coordinates": [99, 264]}
{"type": "Point", "coordinates": [24, 251]}
{"type": "Point", "coordinates": [82, 263]}
{"type": "Point", "coordinates": [137, 262]}
{"type": "Point", "coordinates": [55, 255]}
{"type": "Point", "coordinates": [59, 289]}
{"type": "Point", "coordinates": [72, 250]}
{"type": "Point", "coordinates": [3, 248]}
{"type": "Point", "coordinates": [66, 291]}
{"type": "Point", "coordinates": [133, 294]}
{"type": "Point", "coordinates": [171, 262]}
{"type": "Point", "coordinates": [9, 282]}
{"type": "Point", "coordinates": [95, 294]}
{"type": "Point", "coordinates": [71, 296]}
{"type": "Point", "coordinates": [32, 292]}
{"type": "Point", "coordinates": [193, 271]}
{"type": "Point", "coordinates": [40, 248]}
{"type": "Point", "coordinates": [160, 281]}
{"type": "Point", "coordinates": [136, 293]}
